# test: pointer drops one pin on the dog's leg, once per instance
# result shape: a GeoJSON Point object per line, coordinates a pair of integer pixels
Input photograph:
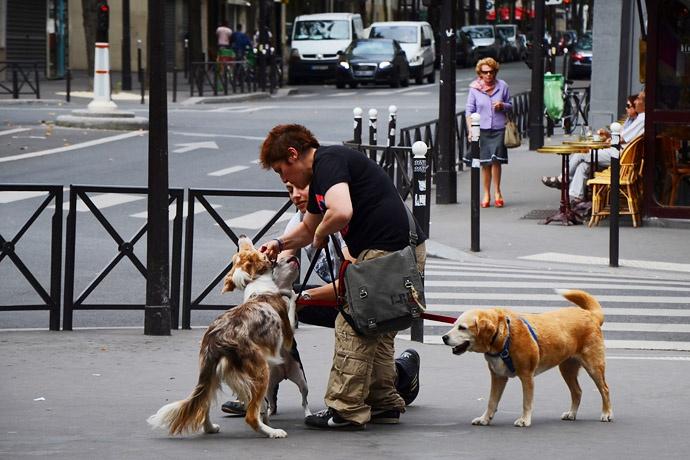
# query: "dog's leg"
{"type": "Point", "coordinates": [296, 375]}
{"type": "Point", "coordinates": [569, 369]}
{"type": "Point", "coordinates": [498, 384]}
{"type": "Point", "coordinates": [209, 427]}
{"type": "Point", "coordinates": [253, 417]}
{"type": "Point", "coordinates": [595, 367]}
{"type": "Point", "coordinates": [527, 381]}
{"type": "Point", "coordinates": [276, 377]}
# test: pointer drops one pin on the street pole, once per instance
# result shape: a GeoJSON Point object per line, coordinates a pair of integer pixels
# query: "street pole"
{"type": "Point", "coordinates": [615, 192]}
{"type": "Point", "coordinates": [126, 45]}
{"type": "Point", "coordinates": [157, 319]}
{"type": "Point", "coordinates": [475, 182]}
{"type": "Point", "coordinates": [536, 102]}
{"type": "Point", "coordinates": [446, 180]}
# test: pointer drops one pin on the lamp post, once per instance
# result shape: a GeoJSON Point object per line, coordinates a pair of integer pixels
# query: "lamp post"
{"type": "Point", "coordinates": [536, 103]}
{"type": "Point", "coordinates": [446, 180]}
{"type": "Point", "coordinates": [126, 45]}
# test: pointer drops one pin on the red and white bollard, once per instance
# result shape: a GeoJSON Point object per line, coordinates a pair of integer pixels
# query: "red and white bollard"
{"type": "Point", "coordinates": [101, 81]}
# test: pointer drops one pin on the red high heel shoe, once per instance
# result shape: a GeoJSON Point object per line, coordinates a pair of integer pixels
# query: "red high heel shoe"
{"type": "Point", "coordinates": [485, 204]}
{"type": "Point", "coordinates": [499, 202]}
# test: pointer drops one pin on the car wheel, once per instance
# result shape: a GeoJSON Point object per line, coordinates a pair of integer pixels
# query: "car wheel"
{"type": "Point", "coordinates": [431, 78]}
{"type": "Point", "coordinates": [419, 80]}
{"type": "Point", "coordinates": [353, 85]}
{"type": "Point", "coordinates": [339, 84]}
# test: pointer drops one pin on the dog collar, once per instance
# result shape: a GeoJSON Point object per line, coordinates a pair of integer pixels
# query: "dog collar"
{"type": "Point", "coordinates": [504, 354]}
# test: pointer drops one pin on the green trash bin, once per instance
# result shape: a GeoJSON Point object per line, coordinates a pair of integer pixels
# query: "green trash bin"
{"type": "Point", "coordinates": [553, 95]}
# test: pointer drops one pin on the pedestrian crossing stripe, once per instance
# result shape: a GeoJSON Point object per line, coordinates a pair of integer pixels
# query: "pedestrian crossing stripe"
{"type": "Point", "coordinates": [256, 220]}
{"type": "Point", "coordinates": [198, 208]}
{"type": "Point", "coordinates": [105, 200]}
{"type": "Point", "coordinates": [550, 285]}
{"type": "Point", "coordinates": [9, 197]}
{"type": "Point", "coordinates": [587, 260]}
{"type": "Point", "coordinates": [226, 171]}
{"type": "Point", "coordinates": [608, 311]}
{"type": "Point", "coordinates": [492, 296]}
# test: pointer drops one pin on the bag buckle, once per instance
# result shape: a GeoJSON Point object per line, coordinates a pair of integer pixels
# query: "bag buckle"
{"type": "Point", "coordinates": [363, 293]}
{"type": "Point", "coordinates": [408, 283]}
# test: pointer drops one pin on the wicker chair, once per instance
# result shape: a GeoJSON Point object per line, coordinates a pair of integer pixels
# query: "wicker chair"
{"type": "Point", "coordinates": [675, 170]}
{"type": "Point", "coordinates": [631, 163]}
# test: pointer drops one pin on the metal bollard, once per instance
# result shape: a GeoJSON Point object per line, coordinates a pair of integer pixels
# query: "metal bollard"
{"type": "Point", "coordinates": [615, 188]}
{"type": "Point", "coordinates": [68, 84]}
{"type": "Point", "coordinates": [15, 83]}
{"type": "Point", "coordinates": [140, 71]}
{"type": "Point", "coordinates": [476, 166]}
{"type": "Point", "coordinates": [389, 163]}
{"type": "Point", "coordinates": [373, 115]}
{"type": "Point", "coordinates": [174, 95]}
{"type": "Point", "coordinates": [38, 82]}
{"type": "Point", "coordinates": [421, 199]}
{"type": "Point", "coordinates": [186, 57]}
{"type": "Point", "coordinates": [357, 113]}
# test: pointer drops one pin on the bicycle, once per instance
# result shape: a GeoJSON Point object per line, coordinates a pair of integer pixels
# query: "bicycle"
{"type": "Point", "coordinates": [575, 105]}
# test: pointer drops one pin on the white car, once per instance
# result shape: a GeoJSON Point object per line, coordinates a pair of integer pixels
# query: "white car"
{"type": "Point", "coordinates": [416, 38]}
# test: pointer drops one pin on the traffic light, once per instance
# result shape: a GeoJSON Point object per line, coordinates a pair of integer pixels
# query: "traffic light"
{"type": "Point", "coordinates": [102, 21]}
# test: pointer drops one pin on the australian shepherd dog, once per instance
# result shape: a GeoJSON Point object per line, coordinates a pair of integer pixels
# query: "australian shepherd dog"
{"type": "Point", "coordinates": [242, 346]}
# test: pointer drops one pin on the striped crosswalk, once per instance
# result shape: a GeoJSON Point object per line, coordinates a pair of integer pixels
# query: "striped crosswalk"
{"type": "Point", "coordinates": [641, 312]}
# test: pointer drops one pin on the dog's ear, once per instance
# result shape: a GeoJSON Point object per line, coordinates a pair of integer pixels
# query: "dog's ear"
{"type": "Point", "coordinates": [486, 328]}
{"type": "Point", "coordinates": [228, 283]}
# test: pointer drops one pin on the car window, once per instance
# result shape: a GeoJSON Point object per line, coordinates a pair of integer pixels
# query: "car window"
{"type": "Point", "coordinates": [403, 34]}
{"type": "Point", "coordinates": [507, 32]}
{"type": "Point", "coordinates": [480, 32]}
{"type": "Point", "coordinates": [370, 47]}
{"type": "Point", "coordinates": [322, 30]}
{"type": "Point", "coordinates": [428, 33]}
{"type": "Point", "coordinates": [358, 26]}
{"type": "Point", "coordinates": [585, 43]}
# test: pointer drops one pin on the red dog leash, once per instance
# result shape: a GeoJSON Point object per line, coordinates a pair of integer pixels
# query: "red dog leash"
{"type": "Point", "coordinates": [325, 304]}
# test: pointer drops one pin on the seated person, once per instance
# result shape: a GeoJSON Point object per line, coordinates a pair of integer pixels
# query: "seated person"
{"type": "Point", "coordinates": [578, 164]}
{"type": "Point", "coordinates": [407, 364]}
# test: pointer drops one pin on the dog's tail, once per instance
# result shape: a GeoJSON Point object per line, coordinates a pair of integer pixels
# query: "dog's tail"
{"type": "Point", "coordinates": [189, 415]}
{"type": "Point", "coordinates": [584, 301]}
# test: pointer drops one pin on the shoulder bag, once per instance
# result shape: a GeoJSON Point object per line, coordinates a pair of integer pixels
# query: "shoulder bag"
{"type": "Point", "coordinates": [511, 138]}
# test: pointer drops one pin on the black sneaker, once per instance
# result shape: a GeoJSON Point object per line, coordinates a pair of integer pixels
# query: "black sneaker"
{"type": "Point", "coordinates": [385, 417]}
{"type": "Point", "coordinates": [329, 419]}
{"type": "Point", "coordinates": [234, 408]}
{"type": "Point", "coordinates": [407, 382]}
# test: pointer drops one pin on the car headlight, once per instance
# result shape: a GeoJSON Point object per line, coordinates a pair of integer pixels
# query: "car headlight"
{"type": "Point", "coordinates": [344, 64]}
{"type": "Point", "coordinates": [384, 65]}
{"type": "Point", "coordinates": [416, 60]}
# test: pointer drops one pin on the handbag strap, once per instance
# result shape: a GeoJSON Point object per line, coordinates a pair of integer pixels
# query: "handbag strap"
{"type": "Point", "coordinates": [338, 297]}
{"type": "Point", "coordinates": [309, 271]}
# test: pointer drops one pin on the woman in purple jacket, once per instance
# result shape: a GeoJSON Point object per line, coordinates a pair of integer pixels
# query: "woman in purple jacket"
{"type": "Point", "coordinates": [490, 97]}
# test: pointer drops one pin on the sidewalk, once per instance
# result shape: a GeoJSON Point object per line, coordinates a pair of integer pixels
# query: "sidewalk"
{"type": "Point", "coordinates": [86, 394]}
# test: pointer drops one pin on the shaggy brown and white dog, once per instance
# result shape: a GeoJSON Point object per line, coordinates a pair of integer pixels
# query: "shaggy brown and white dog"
{"type": "Point", "coordinates": [523, 346]}
{"type": "Point", "coordinates": [242, 345]}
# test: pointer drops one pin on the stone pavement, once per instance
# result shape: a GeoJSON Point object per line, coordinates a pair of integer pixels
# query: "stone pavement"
{"type": "Point", "coordinates": [86, 394]}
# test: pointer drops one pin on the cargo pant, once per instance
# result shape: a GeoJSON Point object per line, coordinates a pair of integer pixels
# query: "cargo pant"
{"type": "Point", "coordinates": [363, 371]}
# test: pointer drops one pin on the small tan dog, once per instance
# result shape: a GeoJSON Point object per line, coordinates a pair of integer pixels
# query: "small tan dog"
{"type": "Point", "coordinates": [526, 345]}
{"type": "Point", "coordinates": [243, 345]}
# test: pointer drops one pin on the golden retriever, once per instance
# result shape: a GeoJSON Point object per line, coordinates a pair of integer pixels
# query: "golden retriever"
{"type": "Point", "coordinates": [242, 345]}
{"type": "Point", "coordinates": [523, 346]}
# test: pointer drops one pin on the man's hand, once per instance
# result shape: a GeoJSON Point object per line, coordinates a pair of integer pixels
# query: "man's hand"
{"type": "Point", "coordinates": [271, 249]}
{"type": "Point", "coordinates": [319, 240]}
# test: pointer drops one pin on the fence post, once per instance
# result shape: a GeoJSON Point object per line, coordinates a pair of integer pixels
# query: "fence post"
{"type": "Point", "coordinates": [15, 83]}
{"type": "Point", "coordinates": [421, 197]}
{"type": "Point", "coordinates": [476, 166]}
{"type": "Point", "coordinates": [357, 112]}
{"type": "Point", "coordinates": [140, 70]}
{"type": "Point", "coordinates": [373, 115]}
{"type": "Point", "coordinates": [186, 58]}
{"type": "Point", "coordinates": [615, 188]}
{"type": "Point", "coordinates": [38, 82]}
{"type": "Point", "coordinates": [174, 84]}
{"type": "Point", "coordinates": [389, 163]}
{"type": "Point", "coordinates": [68, 83]}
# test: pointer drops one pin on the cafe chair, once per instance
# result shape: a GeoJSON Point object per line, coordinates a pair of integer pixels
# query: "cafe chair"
{"type": "Point", "coordinates": [675, 170]}
{"type": "Point", "coordinates": [631, 163]}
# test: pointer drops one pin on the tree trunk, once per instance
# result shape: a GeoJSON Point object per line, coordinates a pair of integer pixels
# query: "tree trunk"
{"type": "Point", "coordinates": [89, 17]}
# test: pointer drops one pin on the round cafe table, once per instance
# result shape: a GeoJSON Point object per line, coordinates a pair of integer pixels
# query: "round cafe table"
{"type": "Point", "coordinates": [585, 206]}
{"type": "Point", "coordinates": [565, 214]}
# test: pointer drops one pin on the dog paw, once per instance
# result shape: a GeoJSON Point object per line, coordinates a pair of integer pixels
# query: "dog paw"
{"type": "Point", "coordinates": [570, 415]}
{"type": "Point", "coordinates": [522, 422]}
{"type": "Point", "coordinates": [607, 417]}
{"type": "Point", "coordinates": [483, 421]}
{"type": "Point", "coordinates": [212, 428]}
{"type": "Point", "coordinates": [277, 433]}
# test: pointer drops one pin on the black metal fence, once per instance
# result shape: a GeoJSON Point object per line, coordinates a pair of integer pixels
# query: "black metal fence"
{"type": "Point", "coordinates": [51, 294]}
{"type": "Point", "coordinates": [21, 78]}
{"type": "Point", "coordinates": [125, 249]}
{"type": "Point", "coordinates": [192, 301]}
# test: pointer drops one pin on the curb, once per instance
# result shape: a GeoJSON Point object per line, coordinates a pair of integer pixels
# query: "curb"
{"type": "Point", "coordinates": [229, 99]}
{"type": "Point", "coordinates": [112, 123]}
{"type": "Point", "coordinates": [12, 102]}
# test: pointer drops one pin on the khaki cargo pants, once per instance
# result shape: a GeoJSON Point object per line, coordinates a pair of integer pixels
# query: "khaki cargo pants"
{"type": "Point", "coordinates": [363, 371]}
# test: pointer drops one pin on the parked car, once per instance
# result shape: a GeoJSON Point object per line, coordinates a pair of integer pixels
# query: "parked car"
{"type": "Point", "coordinates": [580, 58]}
{"type": "Point", "coordinates": [521, 42]}
{"type": "Point", "coordinates": [463, 49]}
{"type": "Point", "coordinates": [417, 40]}
{"type": "Point", "coordinates": [484, 43]}
{"type": "Point", "coordinates": [315, 42]}
{"type": "Point", "coordinates": [510, 47]}
{"type": "Point", "coordinates": [565, 40]}
{"type": "Point", "coordinates": [372, 60]}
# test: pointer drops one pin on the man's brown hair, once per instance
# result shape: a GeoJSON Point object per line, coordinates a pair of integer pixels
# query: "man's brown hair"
{"type": "Point", "coordinates": [282, 137]}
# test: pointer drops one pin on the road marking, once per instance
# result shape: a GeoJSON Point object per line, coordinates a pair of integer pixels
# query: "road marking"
{"type": "Point", "coordinates": [189, 146]}
{"type": "Point", "coordinates": [226, 171]}
{"type": "Point", "coordinates": [239, 136]}
{"type": "Point", "coordinates": [419, 93]}
{"type": "Point", "coordinates": [13, 131]}
{"type": "Point", "coordinates": [341, 94]}
{"type": "Point", "coordinates": [650, 358]}
{"type": "Point", "coordinates": [256, 220]}
{"type": "Point", "coordinates": [103, 201]}
{"type": "Point", "coordinates": [646, 327]}
{"type": "Point", "coordinates": [586, 260]}
{"type": "Point", "coordinates": [198, 208]}
{"type": "Point", "coordinates": [9, 197]}
{"type": "Point", "coordinates": [608, 311]}
{"type": "Point", "coordinates": [397, 91]}
{"type": "Point", "coordinates": [103, 140]}
{"type": "Point", "coordinates": [242, 109]}
{"type": "Point", "coordinates": [551, 297]}
{"type": "Point", "coordinates": [538, 285]}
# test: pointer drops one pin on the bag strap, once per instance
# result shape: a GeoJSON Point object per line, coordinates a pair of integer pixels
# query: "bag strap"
{"type": "Point", "coordinates": [339, 298]}
{"type": "Point", "coordinates": [306, 277]}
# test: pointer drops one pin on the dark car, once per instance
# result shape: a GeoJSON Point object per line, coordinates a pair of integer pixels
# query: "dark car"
{"type": "Point", "coordinates": [484, 42]}
{"type": "Point", "coordinates": [372, 60]}
{"type": "Point", "coordinates": [580, 58]}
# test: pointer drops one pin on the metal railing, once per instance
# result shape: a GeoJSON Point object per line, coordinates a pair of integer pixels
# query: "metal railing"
{"type": "Point", "coordinates": [18, 78]}
{"type": "Point", "coordinates": [189, 302]}
{"type": "Point", "coordinates": [125, 249]}
{"type": "Point", "coordinates": [51, 294]}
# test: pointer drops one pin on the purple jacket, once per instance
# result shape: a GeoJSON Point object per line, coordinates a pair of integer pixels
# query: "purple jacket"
{"type": "Point", "coordinates": [480, 102]}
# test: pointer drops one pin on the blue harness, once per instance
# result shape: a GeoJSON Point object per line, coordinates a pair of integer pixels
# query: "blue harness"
{"type": "Point", "coordinates": [504, 354]}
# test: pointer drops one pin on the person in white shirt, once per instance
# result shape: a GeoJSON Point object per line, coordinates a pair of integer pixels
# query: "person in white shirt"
{"type": "Point", "coordinates": [223, 34]}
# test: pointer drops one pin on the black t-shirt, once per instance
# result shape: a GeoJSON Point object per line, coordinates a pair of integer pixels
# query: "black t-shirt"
{"type": "Point", "coordinates": [379, 219]}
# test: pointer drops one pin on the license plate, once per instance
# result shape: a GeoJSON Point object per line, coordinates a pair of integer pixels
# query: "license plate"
{"type": "Point", "coordinates": [319, 67]}
{"type": "Point", "coordinates": [364, 73]}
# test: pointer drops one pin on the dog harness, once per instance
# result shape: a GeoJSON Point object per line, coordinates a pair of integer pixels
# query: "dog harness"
{"type": "Point", "coordinates": [504, 354]}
